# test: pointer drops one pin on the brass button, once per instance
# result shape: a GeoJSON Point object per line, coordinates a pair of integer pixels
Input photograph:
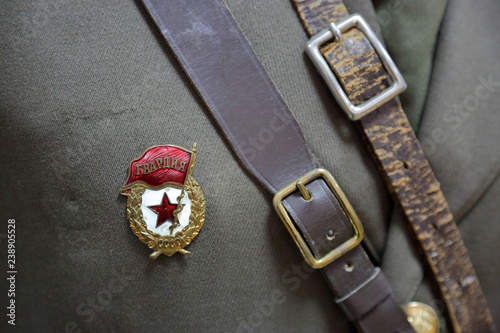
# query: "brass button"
{"type": "Point", "coordinates": [422, 317]}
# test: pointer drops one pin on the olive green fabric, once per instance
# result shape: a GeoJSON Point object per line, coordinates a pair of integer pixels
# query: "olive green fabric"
{"type": "Point", "coordinates": [410, 29]}
{"type": "Point", "coordinates": [87, 86]}
{"type": "Point", "coordinates": [460, 131]}
{"type": "Point", "coordinates": [459, 134]}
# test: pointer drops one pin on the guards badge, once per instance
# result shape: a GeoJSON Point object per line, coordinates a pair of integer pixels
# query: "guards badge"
{"type": "Point", "coordinates": [165, 205]}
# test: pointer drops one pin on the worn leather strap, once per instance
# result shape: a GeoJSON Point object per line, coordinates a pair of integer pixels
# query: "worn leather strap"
{"type": "Point", "coordinates": [267, 139]}
{"type": "Point", "coordinates": [408, 173]}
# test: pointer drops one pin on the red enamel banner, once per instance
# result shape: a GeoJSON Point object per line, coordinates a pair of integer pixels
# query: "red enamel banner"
{"type": "Point", "coordinates": [158, 166]}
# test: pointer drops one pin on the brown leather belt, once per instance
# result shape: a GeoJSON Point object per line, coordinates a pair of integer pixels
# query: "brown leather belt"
{"type": "Point", "coordinates": [267, 139]}
{"type": "Point", "coordinates": [353, 65]}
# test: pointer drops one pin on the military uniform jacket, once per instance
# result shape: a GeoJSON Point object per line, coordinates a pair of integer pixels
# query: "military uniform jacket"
{"type": "Point", "coordinates": [85, 87]}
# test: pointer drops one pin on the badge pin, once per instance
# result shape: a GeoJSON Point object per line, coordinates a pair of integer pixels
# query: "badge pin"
{"type": "Point", "coordinates": [165, 204]}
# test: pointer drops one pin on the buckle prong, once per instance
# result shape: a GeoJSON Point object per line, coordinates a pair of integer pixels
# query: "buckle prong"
{"type": "Point", "coordinates": [305, 193]}
{"type": "Point", "coordinates": [299, 184]}
{"type": "Point", "coordinates": [336, 32]}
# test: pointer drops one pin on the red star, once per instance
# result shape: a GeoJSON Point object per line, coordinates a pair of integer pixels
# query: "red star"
{"type": "Point", "coordinates": [164, 211]}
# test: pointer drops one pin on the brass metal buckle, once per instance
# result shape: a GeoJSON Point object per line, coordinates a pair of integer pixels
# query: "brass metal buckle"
{"type": "Point", "coordinates": [355, 112]}
{"type": "Point", "coordinates": [299, 184]}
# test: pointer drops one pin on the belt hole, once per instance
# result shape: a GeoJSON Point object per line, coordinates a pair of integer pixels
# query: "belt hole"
{"type": "Point", "coordinates": [330, 234]}
{"type": "Point", "coordinates": [349, 266]}
{"type": "Point", "coordinates": [469, 279]}
{"type": "Point", "coordinates": [406, 165]}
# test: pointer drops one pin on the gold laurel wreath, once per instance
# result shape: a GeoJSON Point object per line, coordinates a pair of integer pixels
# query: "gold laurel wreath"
{"type": "Point", "coordinates": [169, 244]}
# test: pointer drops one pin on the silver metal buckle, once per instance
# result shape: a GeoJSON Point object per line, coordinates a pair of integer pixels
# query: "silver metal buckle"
{"type": "Point", "coordinates": [355, 112]}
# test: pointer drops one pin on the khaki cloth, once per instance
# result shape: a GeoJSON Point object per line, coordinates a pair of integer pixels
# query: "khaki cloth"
{"type": "Point", "coordinates": [87, 86]}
